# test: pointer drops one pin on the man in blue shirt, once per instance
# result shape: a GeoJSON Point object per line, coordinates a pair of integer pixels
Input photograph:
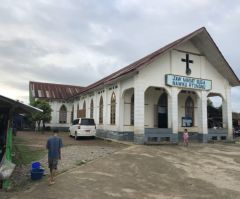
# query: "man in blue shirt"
{"type": "Point", "coordinates": [54, 145]}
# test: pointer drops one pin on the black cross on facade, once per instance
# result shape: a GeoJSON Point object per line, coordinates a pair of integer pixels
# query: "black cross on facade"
{"type": "Point", "coordinates": [188, 61]}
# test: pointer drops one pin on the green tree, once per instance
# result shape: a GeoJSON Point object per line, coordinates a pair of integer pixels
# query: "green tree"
{"type": "Point", "coordinates": [44, 116]}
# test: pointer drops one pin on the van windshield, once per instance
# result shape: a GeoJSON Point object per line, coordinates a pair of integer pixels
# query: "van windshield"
{"type": "Point", "coordinates": [87, 122]}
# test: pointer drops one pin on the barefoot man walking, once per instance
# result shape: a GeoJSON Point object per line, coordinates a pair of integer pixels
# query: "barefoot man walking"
{"type": "Point", "coordinates": [54, 145]}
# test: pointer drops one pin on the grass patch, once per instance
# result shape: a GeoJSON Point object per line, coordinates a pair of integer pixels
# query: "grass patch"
{"type": "Point", "coordinates": [19, 140]}
{"type": "Point", "coordinates": [24, 154]}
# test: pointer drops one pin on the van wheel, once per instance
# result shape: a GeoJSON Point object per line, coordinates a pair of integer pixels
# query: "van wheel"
{"type": "Point", "coordinates": [75, 137]}
{"type": "Point", "coordinates": [69, 134]}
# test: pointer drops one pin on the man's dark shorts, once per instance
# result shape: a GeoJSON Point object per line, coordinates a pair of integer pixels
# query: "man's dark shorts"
{"type": "Point", "coordinates": [52, 163]}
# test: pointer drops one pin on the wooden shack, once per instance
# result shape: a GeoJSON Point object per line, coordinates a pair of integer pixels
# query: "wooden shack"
{"type": "Point", "coordinates": [8, 108]}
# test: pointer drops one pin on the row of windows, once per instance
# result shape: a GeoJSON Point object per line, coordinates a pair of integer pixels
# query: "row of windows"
{"type": "Point", "coordinates": [82, 113]}
{"type": "Point", "coordinates": [189, 109]}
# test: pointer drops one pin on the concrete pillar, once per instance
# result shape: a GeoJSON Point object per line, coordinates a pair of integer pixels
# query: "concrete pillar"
{"type": "Point", "coordinates": [227, 113]}
{"type": "Point", "coordinates": [87, 106]}
{"type": "Point", "coordinates": [173, 107]}
{"type": "Point", "coordinates": [57, 107]}
{"type": "Point", "coordinates": [139, 93]}
{"type": "Point", "coordinates": [119, 108]}
{"type": "Point", "coordinates": [203, 121]}
{"type": "Point", "coordinates": [69, 111]}
{"type": "Point", "coordinates": [106, 122]}
{"type": "Point", "coordinates": [95, 107]}
{"type": "Point", "coordinates": [75, 110]}
{"type": "Point", "coordinates": [169, 111]}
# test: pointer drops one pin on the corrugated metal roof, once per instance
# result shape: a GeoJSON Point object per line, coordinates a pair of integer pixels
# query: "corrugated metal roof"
{"type": "Point", "coordinates": [18, 107]}
{"type": "Point", "coordinates": [53, 91]}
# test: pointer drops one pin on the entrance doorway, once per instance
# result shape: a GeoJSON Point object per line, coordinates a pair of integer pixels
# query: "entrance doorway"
{"type": "Point", "coordinates": [163, 111]}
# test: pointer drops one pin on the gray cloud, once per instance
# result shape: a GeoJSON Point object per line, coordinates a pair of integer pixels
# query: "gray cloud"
{"type": "Point", "coordinates": [21, 50]}
{"type": "Point", "coordinates": [79, 42]}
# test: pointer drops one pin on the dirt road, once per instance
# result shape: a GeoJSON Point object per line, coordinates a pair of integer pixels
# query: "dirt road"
{"type": "Point", "coordinates": [38, 139]}
{"type": "Point", "coordinates": [200, 171]}
{"type": "Point", "coordinates": [31, 146]}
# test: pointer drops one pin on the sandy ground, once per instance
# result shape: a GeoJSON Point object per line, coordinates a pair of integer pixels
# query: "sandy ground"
{"type": "Point", "coordinates": [39, 140]}
{"type": "Point", "coordinates": [74, 153]}
{"type": "Point", "coordinates": [199, 171]}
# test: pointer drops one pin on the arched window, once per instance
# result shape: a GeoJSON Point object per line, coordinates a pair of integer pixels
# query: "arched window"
{"type": "Point", "coordinates": [72, 113]}
{"type": "Point", "coordinates": [132, 110]}
{"type": "Point", "coordinates": [84, 109]}
{"type": "Point", "coordinates": [63, 114]}
{"type": "Point", "coordinates": [189, 108]}
{"type": "Point", "coordinates": [113, 109]}
{"type": "Point", "coordinates": [101, 110]}
{"type": "Point", "coordinates": [91, 109]}
{"type": "Point", "coordinates": [84, 105]}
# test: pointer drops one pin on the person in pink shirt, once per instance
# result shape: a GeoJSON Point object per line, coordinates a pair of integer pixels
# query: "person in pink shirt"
{"type": "Point", "coordinates": [185, 137]}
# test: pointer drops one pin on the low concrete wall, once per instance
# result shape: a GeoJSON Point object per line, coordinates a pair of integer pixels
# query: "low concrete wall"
{"type": "Point", "coordinates": [213, 134]}
{"type": "Point", "coordinates": [159, 135]}
{"type": "Point", "coordinates": [217, 134]}
{"type": "Point", "coordinates": [193, 137]}
{"type": "Point", "coordinates": [139, 139]}
{"type": "Point", "coordinates": [214, 131]}
{"type": "Point", "coordinates": [123, 136]}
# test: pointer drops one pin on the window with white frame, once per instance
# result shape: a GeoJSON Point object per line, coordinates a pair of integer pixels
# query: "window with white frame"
{"type": "Point", "coordinates": [63, 114]}
{"type": "Point", "coordinates": [101, 110]}
{"type": "Point", "coordinates": [113, 109]}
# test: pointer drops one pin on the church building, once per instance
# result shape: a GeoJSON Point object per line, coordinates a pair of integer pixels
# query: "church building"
{"type": "Point", "coordinates": [153, 99]}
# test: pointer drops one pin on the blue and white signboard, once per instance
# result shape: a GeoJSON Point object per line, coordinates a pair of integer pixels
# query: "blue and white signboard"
{"type": "Point", "coordinates": [188, 82]}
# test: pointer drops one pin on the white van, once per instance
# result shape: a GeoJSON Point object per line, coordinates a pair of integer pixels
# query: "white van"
{"type": "Point", "coordinates": [82, 127]}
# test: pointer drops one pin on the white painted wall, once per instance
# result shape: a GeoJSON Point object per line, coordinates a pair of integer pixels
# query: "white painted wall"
{"type": "Point", "coordinates": [127, 106]}
{"type": "Point", "coordinates": [142, 85]}
{"type": "Point", "coordinates": [56, 105]}
{"type": "Point", "coordinates": [106, 93]}
{"type": "Point", "coordinates": [201, 68]}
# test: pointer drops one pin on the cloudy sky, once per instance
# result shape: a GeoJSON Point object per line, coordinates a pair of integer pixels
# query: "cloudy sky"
{"type": "Point", "coordinates": [80, 41]}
